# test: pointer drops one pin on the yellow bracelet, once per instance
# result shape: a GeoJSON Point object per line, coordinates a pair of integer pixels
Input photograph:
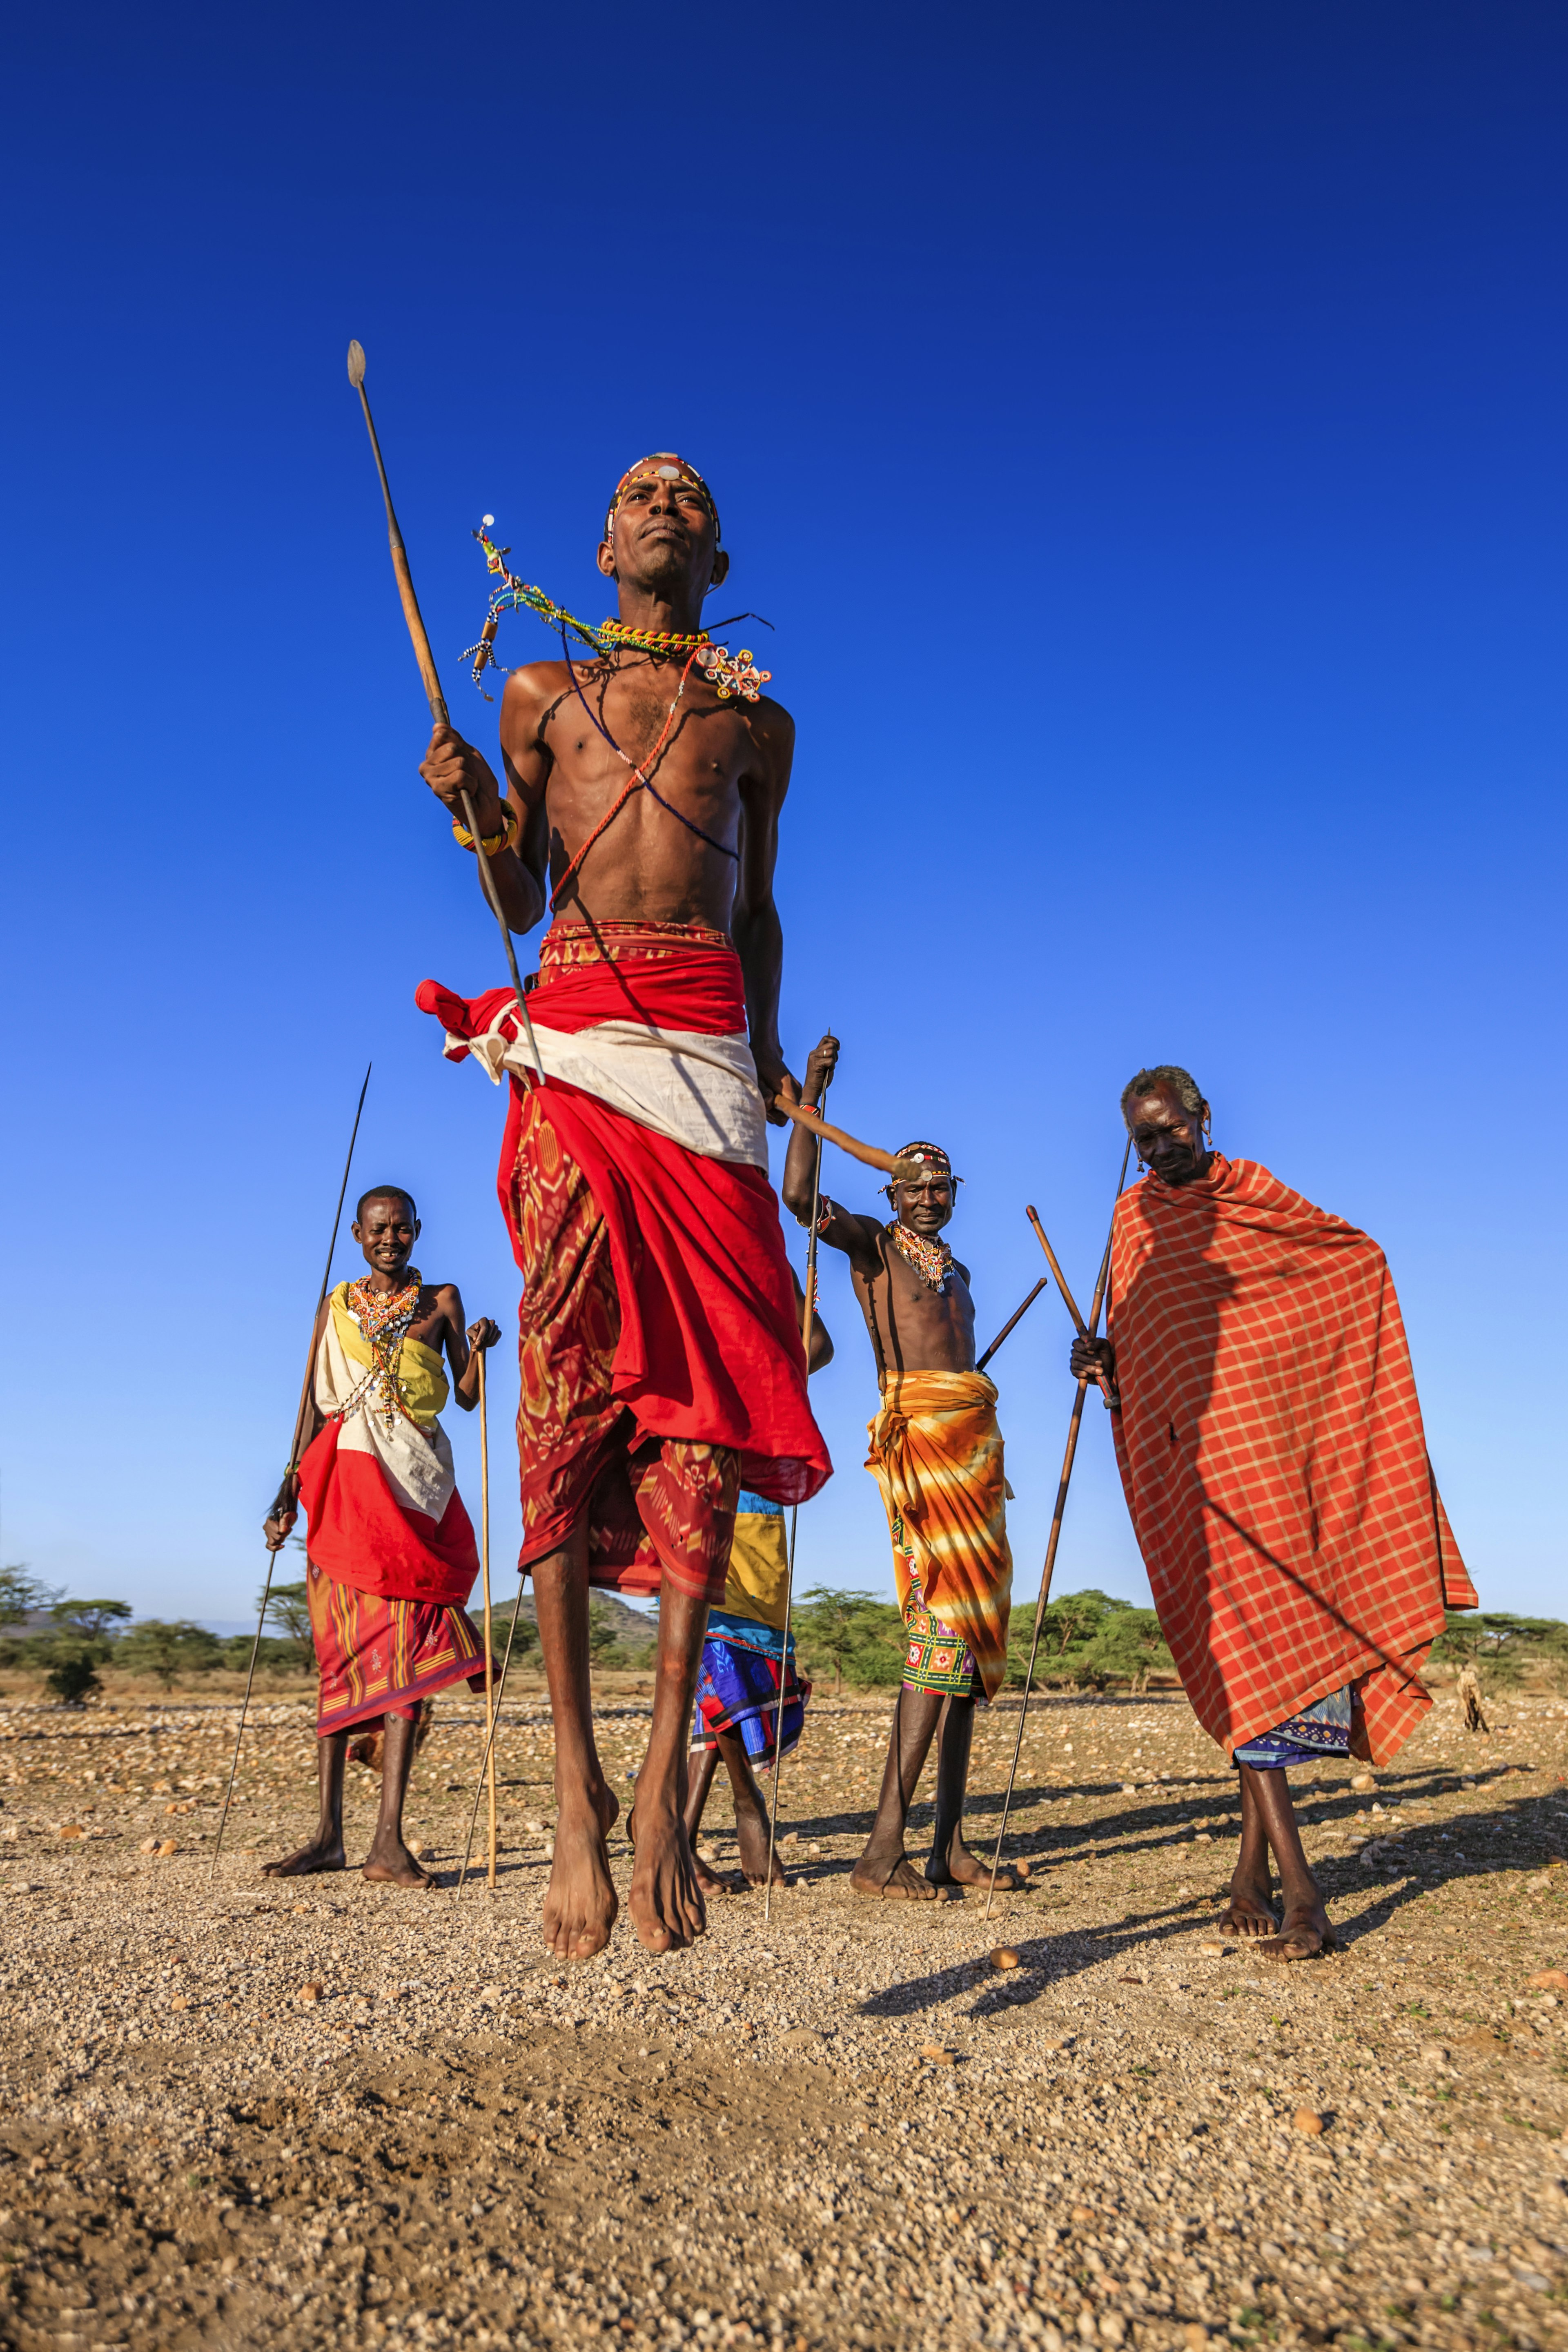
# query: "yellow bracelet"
{"type": "Point", "coordinates": [492, 843]}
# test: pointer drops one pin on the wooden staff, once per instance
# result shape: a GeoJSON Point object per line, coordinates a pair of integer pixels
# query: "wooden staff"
{"type": "Point", "coordinates": [485, 1572]}
{"type": "Point", "coordinates": [820, 1127]}
{"type": "Point", "coordinates": [1054, 1537]}
{"type": "Point", "coordinates": [489, 1742]}
{"type": "Point", "coordinates": [434, 696]}
{"type": "Point", "coordinates": [1069, 1301]}
{"type": "Point", "coordinates": [287, 1474]}
{"type": "Point", "coordinates": [1016, 1316]}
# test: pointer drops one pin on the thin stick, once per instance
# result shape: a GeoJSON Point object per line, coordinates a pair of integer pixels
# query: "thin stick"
{"type": "Point", "coordinates": [806, 1321]}
{"type": "Point", "coordinates": [433, 694]}
{"type": "Point", "coordinates": [1055, 1538]}
{"type": "Point", "coordinates": [485, 1572]}
{"type": "Point", "coordinates": [287, 1474]}
{"type": "Point", "coordinates": [1016, 1316]}
{"type": "Point", "coordinates": [1069, 1301]}
{"type": "Point", "coordinates": [485, 1759]}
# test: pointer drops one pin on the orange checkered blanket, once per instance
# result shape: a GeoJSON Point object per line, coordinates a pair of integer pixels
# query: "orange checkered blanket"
{"type": "Point", "coordinates": [1273, 1456]}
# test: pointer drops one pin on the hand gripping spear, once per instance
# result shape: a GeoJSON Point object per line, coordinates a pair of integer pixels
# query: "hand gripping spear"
{"type": "Point", "coordinates": [1055, 1538]}
{"type": "Point", "coordinates": [433, 694]}
{"type": "Point", "coordinates": [287, 1474]}
{"type": "Point", "coordinates": [820, 1127]}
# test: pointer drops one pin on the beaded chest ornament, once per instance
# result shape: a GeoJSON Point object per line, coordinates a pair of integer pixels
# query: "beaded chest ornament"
{"type": "Point", "coordinates": [729, 675]}
{"type": "Point", "coordinates": [932, 1260]}
{"type": "Point", "coordinates": [384, 1317]}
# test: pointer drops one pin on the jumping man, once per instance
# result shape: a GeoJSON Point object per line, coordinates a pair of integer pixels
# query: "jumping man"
{"type": "Point", "coordinates": [661, 1363]}
{"type": "Point", "coordinates": [1271, 1449]}
{"type": "Point", "coordinates": [936, 1452]}
{"type": "Point", "coordinates": [390, 1554]}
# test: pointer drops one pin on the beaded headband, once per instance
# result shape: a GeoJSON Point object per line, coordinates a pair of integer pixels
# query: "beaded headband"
{"type": "Point", "coordinates": [927, 1156]}
{"type": "Point", "coordinates": [664, 465]}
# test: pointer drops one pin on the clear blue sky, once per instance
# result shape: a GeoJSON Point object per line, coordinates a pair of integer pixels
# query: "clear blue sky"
{"type": "Point", "coordinates": [1145, 427]}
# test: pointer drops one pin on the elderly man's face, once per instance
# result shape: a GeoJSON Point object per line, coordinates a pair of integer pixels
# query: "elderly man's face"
{"type": "Point", "coordinates": [1168, 1139]}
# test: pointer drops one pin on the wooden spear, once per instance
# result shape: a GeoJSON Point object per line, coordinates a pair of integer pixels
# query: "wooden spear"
{"type": "Point", "coordinates": [820, 1127]}
{"type": "Point", "coordinates": [868, 1153]}
{"type": "Point", "coordinates": [1055, 1538]}
{"type": "Point", "coordinates": [433, 694]}
{"type": "Point", "coordinates": [485, 1572]}
{"type": "Point", "coordinates": [293, 1466]}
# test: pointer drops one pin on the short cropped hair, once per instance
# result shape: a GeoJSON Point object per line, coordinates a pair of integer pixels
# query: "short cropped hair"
{"type": "Point", "coordinates": [386, 1192]}
{"type": "Point", "coordinates": [1181, 1084]}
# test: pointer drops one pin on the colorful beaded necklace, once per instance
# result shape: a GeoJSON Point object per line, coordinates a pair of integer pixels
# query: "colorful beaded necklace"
{"type": "Point", "coordinates": [728, 674]}
{"type": "Point", "coordinates": [384, 1317]}
{"type": "Point", "coordinates": [932, 1260]}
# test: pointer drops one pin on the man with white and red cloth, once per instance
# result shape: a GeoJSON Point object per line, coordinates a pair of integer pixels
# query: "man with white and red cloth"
{"type": "Point", "coordinates": [661, 1357]}
{"type": "Point", "coordinates": [1272, 1452]}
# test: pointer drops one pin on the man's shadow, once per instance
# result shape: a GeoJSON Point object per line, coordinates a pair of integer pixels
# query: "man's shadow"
{"type": "Point", "coordinates": [1534, 1822]}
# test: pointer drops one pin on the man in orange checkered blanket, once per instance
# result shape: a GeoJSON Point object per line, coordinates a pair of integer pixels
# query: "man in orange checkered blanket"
{"type": "Point", "coordinates": [1271, 1449]}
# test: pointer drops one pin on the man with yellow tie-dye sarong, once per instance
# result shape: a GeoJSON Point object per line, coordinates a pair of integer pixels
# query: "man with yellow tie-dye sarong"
{"type": "Point", "coordinates": [936, 1452]}
{"type": "Point", "coordinates": [391, 1556]}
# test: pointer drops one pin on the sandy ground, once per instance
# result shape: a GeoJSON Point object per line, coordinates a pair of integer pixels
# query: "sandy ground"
{"type": "Point", "coordinates": [842, 2125]}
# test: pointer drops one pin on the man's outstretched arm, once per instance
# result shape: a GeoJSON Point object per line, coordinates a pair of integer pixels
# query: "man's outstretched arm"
{"type": "Point", "coordinates": [754, 924]}
{"type": "Point", "coordinates": [842, 1229]}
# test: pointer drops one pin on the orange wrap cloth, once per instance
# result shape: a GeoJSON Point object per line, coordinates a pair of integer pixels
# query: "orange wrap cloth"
{"type": "Point", "coordinates": [1273, 1456]}
{"type": "Point", "coordinates": [936, 1452]}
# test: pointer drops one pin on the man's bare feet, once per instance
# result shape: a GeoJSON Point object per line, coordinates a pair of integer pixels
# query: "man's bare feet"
{"type": "Point", "coordinates": [390, 1863]}
{"type": "Point", "coordinates": [1249, 1912]}
{"type": "Point", "coordinates": [707, 1878]}
{"type": "Point", "coordinates": [1304, 1932]}
{"type": "Point", "coordinates": [959, 1867]}
{"type": "Point", "coordinates": [901, 1883]}
{"type": "Point", "coordinates": [322, 1853]}
{"type": "Point", "coordinates": [666, 1906]}
{"type": "Point", "coordinates": [580, 1903]}
{"type": "Point", "coordinates": [751, 1838]}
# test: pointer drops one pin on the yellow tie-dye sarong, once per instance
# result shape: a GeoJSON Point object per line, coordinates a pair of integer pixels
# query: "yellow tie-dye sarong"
{"type": "Point", "coordinates": [936, 1452]}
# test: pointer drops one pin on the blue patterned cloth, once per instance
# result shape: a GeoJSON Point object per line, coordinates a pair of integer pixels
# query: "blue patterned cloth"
{"type": "Point", "coordinates": [1318, 1732]}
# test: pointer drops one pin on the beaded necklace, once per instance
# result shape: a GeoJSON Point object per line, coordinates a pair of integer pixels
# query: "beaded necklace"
{"type": "Point", "coordinates": [727, 673]}
{"type": "Point", "coordinates": [932, 1260]}
{"type": "Point", "coordinates": [384, 1317]}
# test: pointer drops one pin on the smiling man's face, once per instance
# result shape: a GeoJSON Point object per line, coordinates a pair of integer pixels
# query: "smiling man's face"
{"type": "Point", "coordinates": [663, 536]}
{"type": "Point", "coordinates": [386, 1232]}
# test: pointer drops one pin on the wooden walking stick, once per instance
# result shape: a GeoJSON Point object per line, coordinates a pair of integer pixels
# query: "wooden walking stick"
{"type": "Point", "coordinates": [1069, 1301]}
{"type": "Point", "coordinates": [807, 1319]}
{"type": "Point", "coordinates": [1054, 1537]}
{"type": "Point", "coordinates": [1016, 1316]}
{"type": "Point", "coordinates": [433, 694]}
{"type": "Point", "coordinates": [485, 1762]}
{"type": "Point", "coordinates": [485, 1572]}
{"type": "Point", "coordinates": [287, 1474]}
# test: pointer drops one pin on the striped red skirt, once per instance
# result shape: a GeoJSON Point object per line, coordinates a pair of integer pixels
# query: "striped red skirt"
{"type": "Point", "coordinates": [379, 1657]}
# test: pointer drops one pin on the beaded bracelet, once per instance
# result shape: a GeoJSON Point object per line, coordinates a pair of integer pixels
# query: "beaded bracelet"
{"type": "Point", "coordinates": [491, 843]}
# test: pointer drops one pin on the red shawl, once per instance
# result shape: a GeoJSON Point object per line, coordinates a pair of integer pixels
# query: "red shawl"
{"type": "Point", "coordinates": [1271, 1448]}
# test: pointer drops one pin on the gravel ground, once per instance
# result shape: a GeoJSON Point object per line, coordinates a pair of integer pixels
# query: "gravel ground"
{"type": "Point", "coordinates": [839, 2125]}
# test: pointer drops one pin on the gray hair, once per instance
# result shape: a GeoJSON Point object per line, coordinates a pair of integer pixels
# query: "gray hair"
{"type": "Point", "coordinates": [1181, 1084]}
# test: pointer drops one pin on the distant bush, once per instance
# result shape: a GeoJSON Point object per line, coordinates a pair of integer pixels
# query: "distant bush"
{"type": "Point", "coordinates": [168, 1650]}
{"type": "Point", "coordinates": [1504, 1647]}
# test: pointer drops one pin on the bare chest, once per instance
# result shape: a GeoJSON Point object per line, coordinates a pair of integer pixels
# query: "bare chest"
{"type": "Point", "coordinates": [914, 1326]}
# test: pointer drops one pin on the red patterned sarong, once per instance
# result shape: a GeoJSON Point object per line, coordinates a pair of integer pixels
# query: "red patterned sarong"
{"type": "Point", "coordinates": [661, 1361]}
{"type": "Point", "coordinates": [1273, 1456]}
{"type": "Point", "coordinates": [379, 1656]}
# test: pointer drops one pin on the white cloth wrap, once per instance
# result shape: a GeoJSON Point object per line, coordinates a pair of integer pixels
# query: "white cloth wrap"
{"type": "Point", "coordinates": [415, 1461]}
{"type": "Point", "coordinates": [698, 1090]}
